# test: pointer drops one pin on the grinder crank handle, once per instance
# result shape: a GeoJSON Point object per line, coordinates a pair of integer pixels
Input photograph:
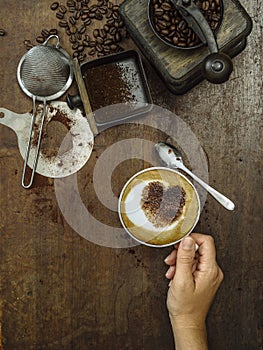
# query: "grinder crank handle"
{"type": "Point", "coordinates": [217, 66]}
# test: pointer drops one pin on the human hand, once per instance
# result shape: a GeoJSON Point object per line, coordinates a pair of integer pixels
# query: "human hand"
{"type": "Point", "coordinates": [195, 278]}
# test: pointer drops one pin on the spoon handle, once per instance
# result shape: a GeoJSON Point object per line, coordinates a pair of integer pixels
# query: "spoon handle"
{"type": "Point", "coordinates": [227, 203]}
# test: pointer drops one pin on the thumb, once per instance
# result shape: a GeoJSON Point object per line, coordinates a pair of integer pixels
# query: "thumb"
{"type": "Point", "coordinates": [185, 259]}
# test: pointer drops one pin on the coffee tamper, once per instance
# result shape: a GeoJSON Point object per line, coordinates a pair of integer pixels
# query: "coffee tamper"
{"type": "Point", "coordinates": [217, 66]}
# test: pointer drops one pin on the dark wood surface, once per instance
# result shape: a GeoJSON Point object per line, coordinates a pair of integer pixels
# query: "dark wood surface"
{"type": "Point", "coordinates": [61, 291]}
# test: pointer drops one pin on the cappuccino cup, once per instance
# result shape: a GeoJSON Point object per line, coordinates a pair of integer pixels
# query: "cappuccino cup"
{"type": "Point", "coordinates": [158, 207]}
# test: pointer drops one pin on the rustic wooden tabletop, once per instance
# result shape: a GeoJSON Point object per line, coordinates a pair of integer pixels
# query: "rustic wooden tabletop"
{"type": "Point", "coordinates": [68, 286]}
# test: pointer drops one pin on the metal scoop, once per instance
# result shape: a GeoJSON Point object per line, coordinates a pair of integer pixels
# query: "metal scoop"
{"type": "Point", "coordinates": [172, 158]}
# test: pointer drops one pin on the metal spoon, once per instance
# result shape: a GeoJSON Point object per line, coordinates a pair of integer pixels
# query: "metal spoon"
{"type": "Point", "coordinates": [173, 159]}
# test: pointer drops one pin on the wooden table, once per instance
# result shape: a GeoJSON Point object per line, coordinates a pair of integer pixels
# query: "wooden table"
{"type": "Point", "coordinates": [62, 291]}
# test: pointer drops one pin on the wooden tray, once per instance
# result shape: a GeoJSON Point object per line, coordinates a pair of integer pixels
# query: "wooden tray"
{"type": "Point", "coordinates": [181, 69]}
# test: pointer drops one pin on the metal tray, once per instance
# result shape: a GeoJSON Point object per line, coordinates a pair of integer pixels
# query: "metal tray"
{"type": "Point", "coordinates": [117, 87]}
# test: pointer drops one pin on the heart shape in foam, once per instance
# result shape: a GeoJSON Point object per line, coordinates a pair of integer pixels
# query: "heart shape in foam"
{"type": "Point", "coordinates": [162, 205]}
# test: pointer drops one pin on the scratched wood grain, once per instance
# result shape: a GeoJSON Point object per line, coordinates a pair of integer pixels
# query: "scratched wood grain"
{"type": "Point", "coordinates": [61, 291]}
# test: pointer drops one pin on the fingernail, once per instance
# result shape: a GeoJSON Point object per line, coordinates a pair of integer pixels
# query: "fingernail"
{"type": "Point", "coordinates": [167, 273]}
{"type": "Point", "coordinates": [188, 243]}
{"type": "Point", "coordinates": [166, 259]}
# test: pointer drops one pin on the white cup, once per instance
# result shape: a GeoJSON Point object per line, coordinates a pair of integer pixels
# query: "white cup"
{"type": "Point", "coordinates": [158, 207]}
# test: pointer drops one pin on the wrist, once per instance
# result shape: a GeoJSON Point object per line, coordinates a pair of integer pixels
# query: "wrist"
{"type": "Point", "coordinates": [189, 333]}
{"type": "Point", "coordinates": [187, 322]}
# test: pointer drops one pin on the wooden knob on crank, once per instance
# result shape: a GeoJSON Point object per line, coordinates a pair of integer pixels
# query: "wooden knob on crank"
{"type": "Point", "coordinates": [217, 68]}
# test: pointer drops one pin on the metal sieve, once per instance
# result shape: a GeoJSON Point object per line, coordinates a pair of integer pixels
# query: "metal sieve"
{"type": "Point", "coordinates": [44, 73]}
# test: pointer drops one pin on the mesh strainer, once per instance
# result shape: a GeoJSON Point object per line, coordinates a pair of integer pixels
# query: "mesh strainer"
{"type": "Point", "coordinates": [44, 73]}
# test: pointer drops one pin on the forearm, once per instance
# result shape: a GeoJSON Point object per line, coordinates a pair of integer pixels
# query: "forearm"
{"type": "Point", "coordinates": [189, 338]}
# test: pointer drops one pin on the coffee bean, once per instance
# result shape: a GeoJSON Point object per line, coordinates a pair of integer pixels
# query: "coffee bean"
{"type": "Point", "coordinates": [72, 38]}
{"type": "Point", "coordinates": [92, 52]}
{"type": "Point", "coordinates": [98, 16]}
{"type": "Point", "coordinates": [63, 24]}
{"type": "Point", "coordinates": [75, 45]}
{"type": "Point", "coordinates": [106, 28]}
{"type": "Point", "coordinates": [110, 21]}
{"type": "Point", "coordinates": [40, 39]}
{"type": "Point", "coordinates": [99, 40]}
{"type": "Point", "coordinates": [159, 12]}
{"type": "Point", "coordinates": [85, 17]}
{"type": "Point", "coordinates": [166, 6]}
{"type": "Point", "coordinates": [117, 37]}
{"type": "Point", "coordinates": [205, 5]}
{"type": "Point", "coordinates": [54, 6]}
{"type": "Point", "coordinates": [96, 33]}
{"type": "Point", "coordinates": [82, 57]}
{"type": "Point", "coordinates": [103, 33]}
{"type": "Point", "coordinates": [115, 15]}
{"type": "Point", "coordinates": [77, 15]}
{"type": "Point", "coordinates": [103, 10]}
{"type": "Point", "coordinates": [175, 40]}
{"type": "Point", "coordinates": [113, 47]}
{"type": "Point", "coordinates": [70, 3]}
{"type": "Point", "coordinates": [108, 42]}
{"type": "Point", "coordinates": [92, 43]}
{"type": "Point", "coordinates": [62, 9]}
{"type": "Point", "coordinates": [59, 15]}
{"type": "Point", "coordinates": [99, 48]}
{"type": "Point", "coordinates": [2, 32]}
{"type": "Point", "coordinates": [109, 14]}
{"type": "Point", "coordinates": [53, 31]}
{"type": "Point", "coordinates": [87, 22]}
{"type": "Point", "coordinates": [93, 8]}
{"type": "Point", "coordinates": [72, 20]}
{"type": "Point", "coordinates": [165, 32]}
{"type": "Point", "coordinates": [45, 33]}
{"type": "Point", "coordinates": [28, 44]}
{"type": "Point", "coordinates": [112, 30]}
{"type": "Point", "coordinates": [80, 48]}
{"type": "Point", "coordinates": [106, 48]}
{"type": "Point", "coordinates": [166, 18]}
{"type": "Point", "coordinates": [82, 29]}
{"type": "Point", "coordinates": [78, 36]}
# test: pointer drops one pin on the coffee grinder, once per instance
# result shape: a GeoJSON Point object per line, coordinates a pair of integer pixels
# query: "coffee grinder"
{"type": "Point", "coordinates": [182, 68]}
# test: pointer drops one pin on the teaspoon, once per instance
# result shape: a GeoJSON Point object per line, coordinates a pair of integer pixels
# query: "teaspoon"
{"type": "Point", "coordinates": [172, 158]}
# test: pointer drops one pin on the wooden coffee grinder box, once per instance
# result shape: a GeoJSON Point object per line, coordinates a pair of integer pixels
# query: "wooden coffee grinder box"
{"type": "Point", "coordinates": [181, 69]}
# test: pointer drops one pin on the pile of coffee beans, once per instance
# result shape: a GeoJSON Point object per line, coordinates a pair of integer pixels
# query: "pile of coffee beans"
{"type": "Point", "coordinates": [174, 30]}
{"type": "Point", "coordinates": [79, 19]}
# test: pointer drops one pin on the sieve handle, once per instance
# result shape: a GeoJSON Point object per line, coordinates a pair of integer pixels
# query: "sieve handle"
{"type": "Point", "coordinates": [50, 37]}
{"type": "Point", "coordinates": [26, 186]}
{"type": "Point", "coordinates": [84, 96]}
